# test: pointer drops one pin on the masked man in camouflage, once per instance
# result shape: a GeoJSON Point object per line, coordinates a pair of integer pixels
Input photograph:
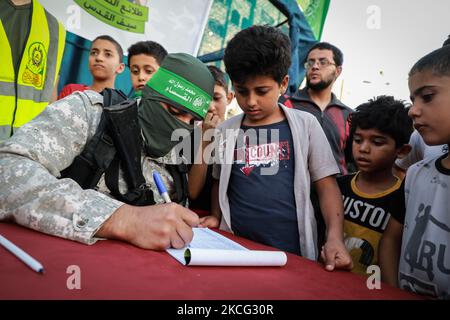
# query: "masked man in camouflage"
{"type": "Point", "coordinates": [34, 194]}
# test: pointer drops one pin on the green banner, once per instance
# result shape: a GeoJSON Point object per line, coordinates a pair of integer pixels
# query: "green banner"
{"type": "Point", "coordinates": [120, 14]}
{"type": "Point", "coordinates": [315, 12]}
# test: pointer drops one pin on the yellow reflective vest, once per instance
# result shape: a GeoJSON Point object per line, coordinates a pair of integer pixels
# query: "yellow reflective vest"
{"type": "Point", "coordinates": [25, 95]}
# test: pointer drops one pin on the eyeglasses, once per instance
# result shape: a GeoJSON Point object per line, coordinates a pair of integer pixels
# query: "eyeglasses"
{"type": "Point", "coordinates": [322, 63]}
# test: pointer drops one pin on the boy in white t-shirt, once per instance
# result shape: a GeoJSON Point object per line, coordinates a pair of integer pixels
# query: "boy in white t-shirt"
{"type": "Point", "coordinates": [424, 262]}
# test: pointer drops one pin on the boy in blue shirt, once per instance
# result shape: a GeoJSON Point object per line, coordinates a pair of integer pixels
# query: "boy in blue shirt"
{"type": "Point", "coordinates": [268, 156]}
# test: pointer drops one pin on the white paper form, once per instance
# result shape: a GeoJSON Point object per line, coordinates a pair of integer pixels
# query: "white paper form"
{"type": "Point", "coordinates": [209, 248]}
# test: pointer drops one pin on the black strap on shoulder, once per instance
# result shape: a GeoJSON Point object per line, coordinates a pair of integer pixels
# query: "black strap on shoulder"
{"type": "Point", "coordinates": [88, 167]}
{"type": "Point", "coordinates": [179, 175]}
{"type": "Point", "coordinates": [140, 195]}
{"type": "Point", "coordinates": [117, 146]}
{"type": "Point", "coordinates": [112, 97]}
{"type": "Point", "coordinates": [123, 127]}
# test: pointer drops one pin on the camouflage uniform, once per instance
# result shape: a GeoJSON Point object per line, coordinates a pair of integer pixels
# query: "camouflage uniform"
{"type": "Point", "coordinates": [31, 161]}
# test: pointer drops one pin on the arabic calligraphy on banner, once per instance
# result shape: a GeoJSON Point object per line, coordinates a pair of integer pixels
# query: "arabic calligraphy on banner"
{"type": "Point", "coordinates": [120, 14]}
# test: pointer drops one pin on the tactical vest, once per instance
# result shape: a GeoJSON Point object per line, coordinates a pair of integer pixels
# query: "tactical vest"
{"type": "Point", "coordinates": [25, 95]}
{"type": "Point", "coordinates": [117, 144]}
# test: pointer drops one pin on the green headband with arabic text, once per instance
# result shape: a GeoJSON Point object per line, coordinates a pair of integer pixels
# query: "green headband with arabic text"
{"type": "Point", "coordinates": [181, 91]}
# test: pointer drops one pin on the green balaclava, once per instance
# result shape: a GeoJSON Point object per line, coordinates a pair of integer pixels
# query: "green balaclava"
{"type": "Point", "coordinates": [183, 82]}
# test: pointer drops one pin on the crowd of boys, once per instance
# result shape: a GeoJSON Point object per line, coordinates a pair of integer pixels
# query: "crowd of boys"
{"type": "Point", "coordinates": [371, 215]}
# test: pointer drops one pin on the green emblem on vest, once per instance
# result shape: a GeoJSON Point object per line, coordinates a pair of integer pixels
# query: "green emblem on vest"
{"type": "Point", "coordinates": [34, 72]}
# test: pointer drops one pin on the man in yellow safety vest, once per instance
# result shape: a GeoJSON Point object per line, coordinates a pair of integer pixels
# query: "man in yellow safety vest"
{"type": "Point", "coordinates": [31, 49]}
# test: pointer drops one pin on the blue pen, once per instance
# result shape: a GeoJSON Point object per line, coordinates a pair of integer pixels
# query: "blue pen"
{"type": "Point", "coordinates": [161, 187]}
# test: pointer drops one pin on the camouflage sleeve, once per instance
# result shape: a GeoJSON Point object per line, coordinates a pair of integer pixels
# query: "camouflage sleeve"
{"type": "Point", "coordinates": [31, 160]}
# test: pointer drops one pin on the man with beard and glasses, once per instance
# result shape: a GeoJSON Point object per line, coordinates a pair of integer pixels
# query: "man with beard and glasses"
{"type": "Point", "coordinates": [35, 159]}
{"type": "Point", "coordinates": [323, 66]}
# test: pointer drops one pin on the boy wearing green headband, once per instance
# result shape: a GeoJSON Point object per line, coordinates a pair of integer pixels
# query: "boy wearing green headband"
{"type": "Point", "coordinates": [268, 156]}
{"type": "Point", "coordinates": [32, 161]}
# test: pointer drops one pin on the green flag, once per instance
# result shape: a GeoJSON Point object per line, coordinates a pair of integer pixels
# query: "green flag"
{"type": "Point", "coordinates": [315, 12]}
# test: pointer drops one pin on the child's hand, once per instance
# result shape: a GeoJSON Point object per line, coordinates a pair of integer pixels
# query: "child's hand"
{"type": "Point", "coordinates": [335, 255]}
{"type": "Point", "coordinates": [211, 121]}
{"type": "Point", "coordinates": [209, 222]}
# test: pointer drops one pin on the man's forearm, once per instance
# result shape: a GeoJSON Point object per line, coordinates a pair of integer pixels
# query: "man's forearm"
{"type": "Point", "coordinates": [115, 227]}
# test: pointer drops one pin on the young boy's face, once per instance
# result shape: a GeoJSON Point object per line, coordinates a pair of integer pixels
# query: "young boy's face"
{"type": "Point", "coordinates": [220, 101]}
{"type": "Point", "coordinates": [104, 62]}
{"type": "Point", "coordinates": [142, 68]}
{"type": "Point", "coordinates": [373, 150]}
{"type": "Point", "coordinates": [430, 111]}
{"type": "Point", "coordinates": [258, 99]}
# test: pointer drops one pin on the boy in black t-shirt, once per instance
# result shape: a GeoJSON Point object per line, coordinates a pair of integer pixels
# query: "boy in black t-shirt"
{"type": "Point", "coordinates": [380, 130]}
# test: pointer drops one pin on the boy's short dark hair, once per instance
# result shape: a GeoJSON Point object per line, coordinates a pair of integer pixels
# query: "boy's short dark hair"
{"type": "Point", "coordinates": [386, 114]}
{"type": "Point", "coordinates": [219, 77]}
{"type": "Point", "coordinates": [114, 42]}
{"type": "Point", "coordinates": [338, 56]}
{"type": "Point", "coordinates": [150, 48]}
{"type": "Point", "coordinates": [437, 61]}
{"type": "Point", "coordinates": [258, 50]}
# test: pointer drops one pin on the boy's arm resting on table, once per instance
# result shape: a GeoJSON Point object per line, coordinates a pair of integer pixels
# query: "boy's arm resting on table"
{"type": "Point", "coordinates": [213, 220]}
{"type": "Point", "coordinates": [389, 252]}
{"type": "Point", "coordinates": [334, 252]}
{"type": "Point", "coordinates": [199, 169]}
{"type": "Point", "coordinates": [198, 172]}
{"type": "Point", "coordinates": [197, 178]}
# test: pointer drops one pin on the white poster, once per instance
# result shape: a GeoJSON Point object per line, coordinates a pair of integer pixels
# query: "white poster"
{"type": "Point", "coordinates": [176, 24]}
